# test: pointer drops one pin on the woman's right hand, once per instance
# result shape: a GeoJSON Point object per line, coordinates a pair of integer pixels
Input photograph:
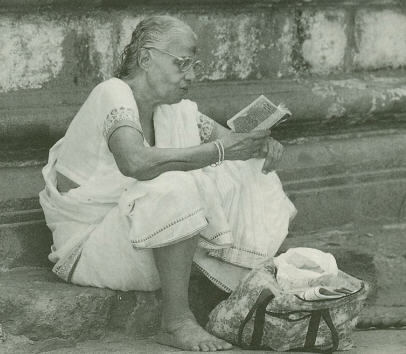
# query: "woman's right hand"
{"type": "Point", "coordinates": [244, 146]}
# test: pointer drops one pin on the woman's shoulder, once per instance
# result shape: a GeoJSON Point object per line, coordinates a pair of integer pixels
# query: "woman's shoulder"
{"type": "Point", "coordinates": [114, 93]}
{"type": "Point", "coordinates": [113, 84]}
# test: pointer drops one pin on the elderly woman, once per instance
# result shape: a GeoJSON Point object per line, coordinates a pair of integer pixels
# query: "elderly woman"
{"type": "Point", "coordinates": [143, 183]}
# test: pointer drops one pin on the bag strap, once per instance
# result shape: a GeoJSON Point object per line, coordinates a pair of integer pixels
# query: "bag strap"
{"type": "Point", "coordinates": [312, 330]}
{"type": "Point", "coordinates": [334, 334]}
{"type": "Point", "coordinates": [259, 309]}
{"type": "Point", "coordinates": [259, 321]}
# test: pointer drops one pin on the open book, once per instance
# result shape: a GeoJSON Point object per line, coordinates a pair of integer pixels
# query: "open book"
{"type": "Point", "coordinates": [260, 114]}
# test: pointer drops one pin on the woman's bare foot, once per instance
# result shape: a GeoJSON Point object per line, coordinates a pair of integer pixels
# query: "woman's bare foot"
{"type": "Point", "coordinates": [186, 334]}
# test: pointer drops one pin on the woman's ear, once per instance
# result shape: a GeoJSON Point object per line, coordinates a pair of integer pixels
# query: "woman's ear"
{"type": "Point", "coordinates": [144, 59]}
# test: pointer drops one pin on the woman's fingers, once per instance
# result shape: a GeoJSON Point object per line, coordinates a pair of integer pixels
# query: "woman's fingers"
{"type": "Point", "coordinates": [275, 152]}
{"type": "Point", "coordinates": [281, 149]}
{"type": "Point", "coordinates": [267, 166]}
{"type": "Point", "coordinates": [261, 151]}
{"type": "Point", "coordinates": [243, 146]}
{"type": "Point", "coordinates": [259, 135]}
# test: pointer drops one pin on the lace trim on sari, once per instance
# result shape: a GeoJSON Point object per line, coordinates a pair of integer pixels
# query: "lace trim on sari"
{"type": "Point", "coordinates": [205, 125]}
{"type": "Point", "coordinates": [172, 223]}
{"type": "Point", "coordinates": [118, 117]}
{"type": "Point", "coordinates": [239, 256]}
{"type": "Point", "coordinates": [65, 268]}
{"type": "Point", "coordinates": [214, 280]}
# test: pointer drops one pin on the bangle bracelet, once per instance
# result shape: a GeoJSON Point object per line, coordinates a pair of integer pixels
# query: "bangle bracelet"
{"type": "Point", "coordinates": [220, 149]}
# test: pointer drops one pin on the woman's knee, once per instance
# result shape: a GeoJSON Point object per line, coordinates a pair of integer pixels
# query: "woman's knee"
{"type": "Point", "coordinates": [169, 190]}
{"type": "Point", "coordinates": [174, 183]}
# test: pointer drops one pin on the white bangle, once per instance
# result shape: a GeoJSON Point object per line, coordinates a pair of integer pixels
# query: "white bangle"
{"type": "Point", "coordinates": [220, 150]}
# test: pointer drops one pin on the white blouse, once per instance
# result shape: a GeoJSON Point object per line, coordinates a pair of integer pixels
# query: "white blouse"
{"type": "Point", "coordinates": [85, 154]}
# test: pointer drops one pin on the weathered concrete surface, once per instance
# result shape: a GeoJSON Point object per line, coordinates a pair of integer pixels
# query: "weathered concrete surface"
{"type": "Point", "coordinates": [62, 47]}
{"type": "Point", "coordinates": [16, 5]}
{"type": "Point", "coordinates": [359, 203]}
{"type": "Point", "coordinates": [20, 182]}
{"type": "Point", "coordinates": [52, 58]}
{"type": "Point", "coordinates": [35, 303]}
{"type": "Point", "coordinates": [365, 342]}
{"type": "Point", "coordinates": [327, 63]}
{"type": "Point", "coordinates": [345, 101]}
{"type": "Point", "coordinates": [354, 178]}
{"type": "Point", "coordinates": [136, 313]}
{"type": "Point", "coordinates": [325, 42]}
{"type": "Point", "coordinates": [317, 105]}
{"type": "Point", "coordinates": [24, 244]}
{"type": "Point", "coordinates": [372, 342]}
{"type": "Point", "coordinates": [380, 38]}
{"type": "Point", "coordinates": [31, 50]}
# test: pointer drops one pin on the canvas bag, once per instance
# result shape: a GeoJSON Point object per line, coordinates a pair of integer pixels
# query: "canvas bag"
{"type": "Point", "coordinates": [259, 315]}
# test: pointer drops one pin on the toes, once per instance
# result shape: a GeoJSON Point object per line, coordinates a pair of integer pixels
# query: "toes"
{"type": "Point", "coordinates": [213, 347]}
{"type": "Point", "coordinates": [204, 347]}
{"type": "Point", "coordinates": [227, 345]}
{"type": "Point", "coordinates": [224, 345]}
{"type": "Point", "coordinates": [220, 346]}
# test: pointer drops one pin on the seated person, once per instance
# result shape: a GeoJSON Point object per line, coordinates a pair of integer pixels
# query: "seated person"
{"type": "Point", "coordinates": [143, 184]}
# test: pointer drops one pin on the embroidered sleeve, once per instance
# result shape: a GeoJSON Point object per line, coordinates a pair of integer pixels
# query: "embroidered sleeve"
{"type": "Point", "coordinates": [119, 117]}
{"type": "Point", "coordinates": [205, 125]}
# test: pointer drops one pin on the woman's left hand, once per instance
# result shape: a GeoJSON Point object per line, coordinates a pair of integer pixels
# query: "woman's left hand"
{"type": "Point", "coordinates": [273, 151]}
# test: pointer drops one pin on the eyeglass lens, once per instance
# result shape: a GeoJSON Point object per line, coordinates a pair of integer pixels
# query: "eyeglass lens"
{"type": "Point", "coordinates": [189, 63]}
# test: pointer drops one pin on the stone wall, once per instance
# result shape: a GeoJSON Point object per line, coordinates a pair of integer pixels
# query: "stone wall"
{"type": "Point", "coordinates": [327, 60]}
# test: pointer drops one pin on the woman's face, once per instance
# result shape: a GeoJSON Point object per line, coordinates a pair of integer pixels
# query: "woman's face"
{"type": "Point", "coordinates": [168, 83]}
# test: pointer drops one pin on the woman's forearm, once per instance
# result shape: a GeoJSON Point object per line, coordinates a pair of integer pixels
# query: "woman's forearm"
{"type": "Point", "coordinates": [151, 161]}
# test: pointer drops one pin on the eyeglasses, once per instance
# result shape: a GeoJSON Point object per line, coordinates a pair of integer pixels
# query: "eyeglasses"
{"type": "Point", "coordinates": [184, 63]}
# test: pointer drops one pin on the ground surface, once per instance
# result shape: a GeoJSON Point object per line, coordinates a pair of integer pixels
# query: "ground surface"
{"type": "Point", "coordinates": [366, 342]}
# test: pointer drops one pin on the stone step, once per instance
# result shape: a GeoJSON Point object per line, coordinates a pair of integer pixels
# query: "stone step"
{"type": "Point", "coordinates": [357, 177]}
{"type": "Point", "coordinates": [38, 305]}
{"type": "Point", "coordinates": [318, 106]}
{"type": "Point", "coordinates": [309, 162]}
{"type": "Point", "coordinates": [20, 176]}
{"type": "Point", "coordinates": [24, 244]}
{"type": "Point", "coordinates": [365, 342]}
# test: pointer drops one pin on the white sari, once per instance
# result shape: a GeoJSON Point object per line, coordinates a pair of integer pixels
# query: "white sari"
{"type": "Point", "coordinates": [104, 230]}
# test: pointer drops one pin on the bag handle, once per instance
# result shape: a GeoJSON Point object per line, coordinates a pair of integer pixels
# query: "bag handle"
{"type": "Point", "coordinates": [260, 305]}
{"type": "Point", "coordinates": [334, 334]}
{"type": "Point", "coordinates": [312, 330]}
{"type": "Point", "coordinates": [259, 309]}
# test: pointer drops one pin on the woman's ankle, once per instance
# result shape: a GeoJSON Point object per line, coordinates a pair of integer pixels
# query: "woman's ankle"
{"type": "Point", "coordinates": [172, 322]}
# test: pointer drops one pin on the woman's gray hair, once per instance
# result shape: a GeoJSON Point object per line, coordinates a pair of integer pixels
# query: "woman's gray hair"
{"type": "Point", "coordinates": [157, 31]}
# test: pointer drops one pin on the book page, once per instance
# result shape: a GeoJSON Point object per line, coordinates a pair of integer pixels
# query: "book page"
{"type": "Point", "coordinates": [260, 114]}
